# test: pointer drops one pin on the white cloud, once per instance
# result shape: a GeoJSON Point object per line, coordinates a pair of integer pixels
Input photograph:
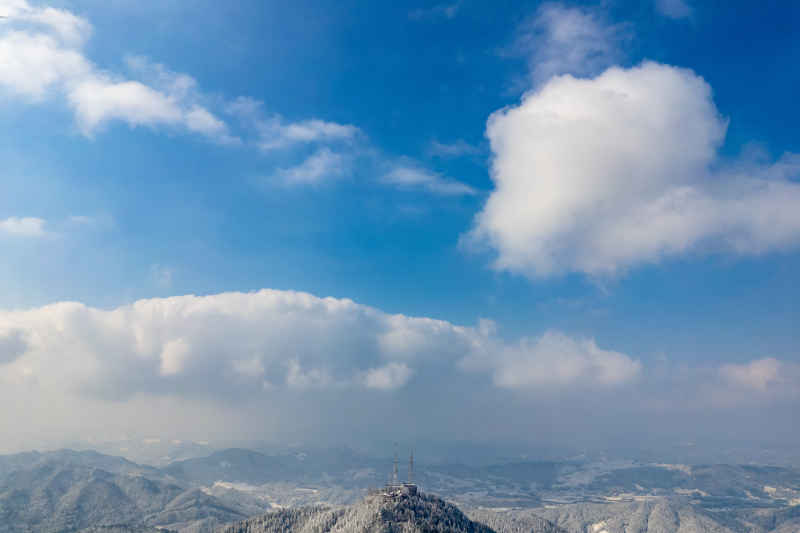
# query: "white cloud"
{"type": "Point", "coordinates": [755, 384]}
{"type": "Point", "coordinates": [562, 40]}
{"type": "Point", "coordinates": [316, 130]}
{"type": "Point", "coordinates": [23, 227]}
{"type": "Point", "coordinates": [297, 339]}
{"type": "Point", "coordinates": [762, 375]}
{"type": "Point", "coordinates": [200, 120]}
{"type": "Point", "coordinates": [388, 377]}
{"type": "Point", "coordinates": [246, 108]}
{"type": "Point", "coordinates": [457, 148]}
{"type": "Point", "coordinates": [556, 361]}
{"type": "Point", "coordinates": [274, 132]}
{"type": "Point", "coordinates": [98, 100]}
{"type": "Point", "coordinates": [47, 59]}
{"type": "Point", "coordinates": [41, 55]}
{"type": "Point", "coordinates": [174, 357]}
{"type": "Point", "coordinates": [322, 165]}
{"type": "Point", "coordinates": [31, 64]}
{"type": "Point", "coordinates": [313, 378]}
{"type": "Point", "coordinates": [413, 177]}
{"type": "Point", "coordinates": [599, 175]}
{"type": "Point", "coordinates": [240, 341]}
{"type": "Point", "coordinates": [176, 84]}
{"type": "Point", "coordinates": [71, 29]}
{"type": "Point", "coordinates": [675, 9]}
{"type": "Point", "coordinates": [338, 147]}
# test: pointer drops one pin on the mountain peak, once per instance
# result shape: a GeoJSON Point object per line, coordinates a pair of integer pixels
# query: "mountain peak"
{"type": "Point", "coordinates": [386, 511]}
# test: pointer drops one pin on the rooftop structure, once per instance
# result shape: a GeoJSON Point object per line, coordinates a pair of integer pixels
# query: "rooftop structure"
{"type": "Point", "coordinates": [394, 487]}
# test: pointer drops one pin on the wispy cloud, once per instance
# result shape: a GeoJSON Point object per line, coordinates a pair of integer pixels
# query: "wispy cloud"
{"type": "Point", "coordinates": [273, 132]}
{"type": "Point", "coordinates": [405, 176]}
{"type": "Point", "coordinates": [23, 226]}
{"type": "Point", "coordinates": [446, 11]}
{"type": "Point", "coordinates": [322, 165]}
{"type": "Point", "coordinates": [316, 130]}
{"type": "Point", "coordinates": [81, 219]}
{"type": "Point", "coordinates": [555, 360]}
{"type": "Point", "coordinates": [338, 148]}
{"type": "Point", "coordinates": [69, 28]}
{"type": "Point", "coordinates": [674, 9]}
{"type": "Point", "coordinates": [762, 374]}
{"type": "Point", "coordinates": [387, 377]}
{"type": "Point", "coordinates": [568, 40]}
{"type": "Point", "coordinates": [458, 148]}
{"type": "Point", "coordinates": [41, 55]}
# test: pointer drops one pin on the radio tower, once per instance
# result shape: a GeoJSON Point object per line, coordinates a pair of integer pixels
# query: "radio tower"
{"type": "Point", "coordinates": [411, 468]}
{"type": "Point", "coordinates": [395, 475]}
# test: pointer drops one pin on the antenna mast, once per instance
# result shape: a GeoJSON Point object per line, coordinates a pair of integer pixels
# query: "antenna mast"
{"type": "Point", "coordinates": [395, 475]}
{"type": "Point", "coordinates": [411, 468]}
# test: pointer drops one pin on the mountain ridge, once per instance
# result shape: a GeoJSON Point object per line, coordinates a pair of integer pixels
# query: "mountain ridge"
{"type": "Point", "coordinates": [391, 511]}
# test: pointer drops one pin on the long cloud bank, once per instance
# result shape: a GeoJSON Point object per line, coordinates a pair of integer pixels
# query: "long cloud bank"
{"type": "Point", "coordinates": [267, 340]}
{"type": "Point", "coordinates": [271, 340]}
{"type": "Point", "coordinates": [289, 363]}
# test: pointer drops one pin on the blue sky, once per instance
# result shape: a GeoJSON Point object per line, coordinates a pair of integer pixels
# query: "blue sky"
{"type": "Point", "coordinates": [342, 149]}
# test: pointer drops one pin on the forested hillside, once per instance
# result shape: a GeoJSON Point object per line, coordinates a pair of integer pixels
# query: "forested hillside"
{"type": "Point", "coordinates": [406, 513]}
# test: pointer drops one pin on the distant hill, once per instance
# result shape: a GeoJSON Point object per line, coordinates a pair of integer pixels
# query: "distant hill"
{"type": "Point", "coordinates": [91, 459]}
{"type": "Point", "coordinates": [715, 484]}
{"type": "Point", "coordinates": [403, 512]}
{"type": "Point", "coordinates": [655, 515]}
{"type": "Point", "coordinates": [248, 466]}
{"type": "Point", "coordinates": [652, 515]}
{"type": "Point", "coordinates": [236, 464]}
{"type": "Point", "coordinates": [64, 492]}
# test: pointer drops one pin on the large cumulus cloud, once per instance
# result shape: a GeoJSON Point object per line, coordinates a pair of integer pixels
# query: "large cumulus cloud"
{"type": "Point", "coordinates": [226, 343]}
{"type": "Point", "coordinates": [268, 362]}
{"type": "Point", "coordinates": [234, 343]}
{"type": "Point", "coordinates": [599, 175]}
